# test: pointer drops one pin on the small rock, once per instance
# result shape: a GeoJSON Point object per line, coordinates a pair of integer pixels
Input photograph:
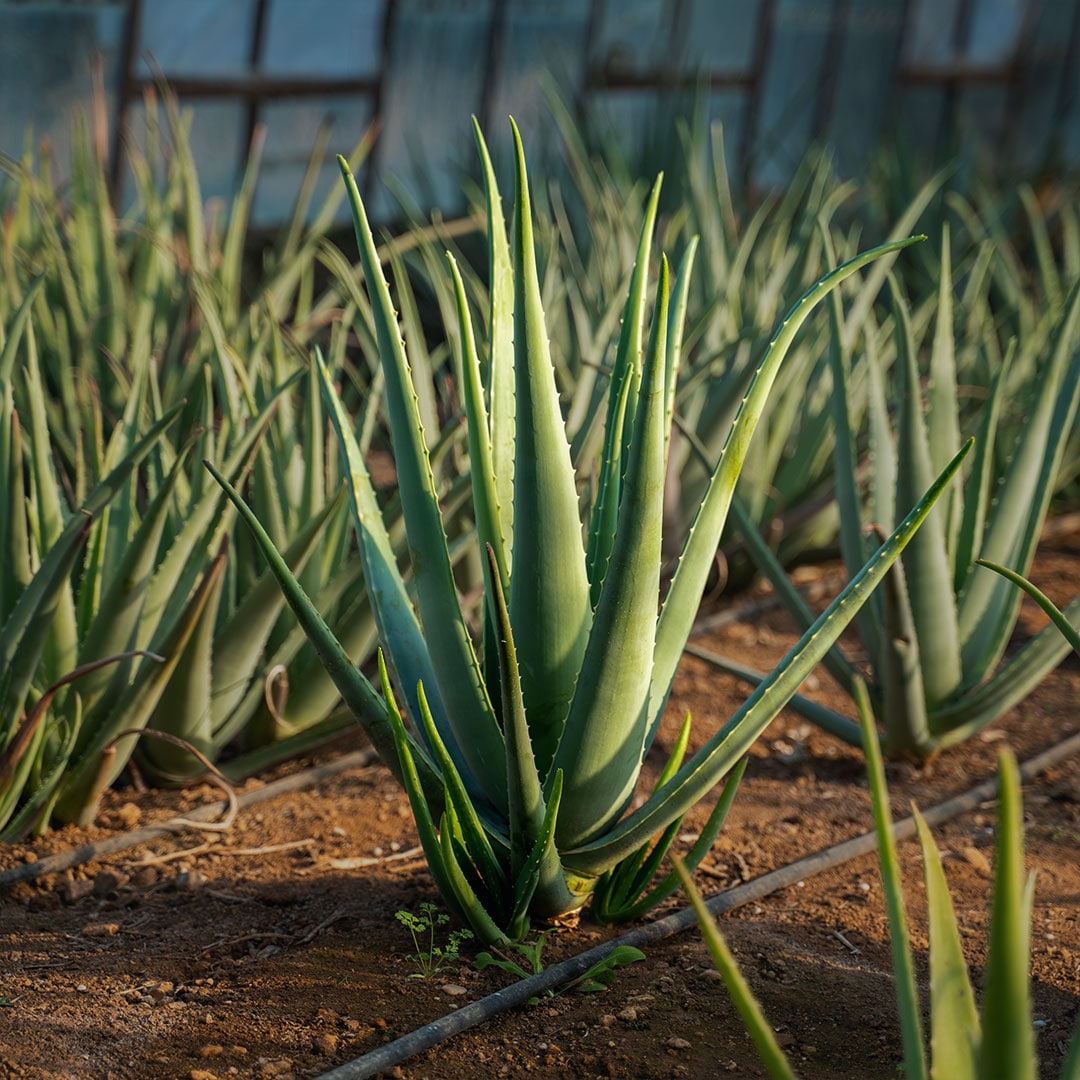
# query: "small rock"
{"type": "Point", "coordinates": [712, 975]}
{"type": "Point", "coordinates": [201, 1074]}
{"type": "Point", "coordinates": [101, 929]}
{"type": "Point", "coordinates": [144, 877]}
{"type": "Point", "coordinates": [211, 1050]}
{"type": "Point", "coordinates": [326, 1044]}
{"type": "Point", "coordinates": [678, 1044]}
{"type": "Point", "coordinates": [189, 881]}
{"type": "Point", "coordinates": [607, 1020]}
{"type": "Point", "coordinates": [71, 892]}
{"type": "Point", "coordinates": [280, 1068]}
{"type": "Point", "coordinates": [977, 859]}
{"type": "Point", "coordinates": [629, 1014]}
{"type": "Point", "coordinates": [128, 815]}
{"type": "Point", "coordinates": [108, 881]}
{"type": "Point", "coordinates": [453, 989]}
{"type": "Point", "coordinates": [29, 857]}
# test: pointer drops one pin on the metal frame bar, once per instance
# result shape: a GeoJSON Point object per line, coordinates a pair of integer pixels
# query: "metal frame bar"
{"type": "Point", "coordinates": [256, 87]}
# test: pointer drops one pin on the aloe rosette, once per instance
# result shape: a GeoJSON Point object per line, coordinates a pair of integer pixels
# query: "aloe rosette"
{"type": "Point", "coordinates": [936, 634]}
{"type": "Point", "coordinates": [521, 752]}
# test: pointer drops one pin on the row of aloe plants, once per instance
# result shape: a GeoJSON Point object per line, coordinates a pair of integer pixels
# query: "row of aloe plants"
{"type": "Point", "coordinates": [131, 347]}
{"type": "Point", "coordinates": [186, 280]}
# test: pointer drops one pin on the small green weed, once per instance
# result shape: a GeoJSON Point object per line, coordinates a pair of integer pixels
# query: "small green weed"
{"type": "Point", "coordinates": [430, 957]}
{"type": "Point", "coordinates": [598, 977]}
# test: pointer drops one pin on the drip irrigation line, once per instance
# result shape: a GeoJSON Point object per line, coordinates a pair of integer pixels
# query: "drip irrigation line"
{"type": "Point", "coordinates": [386, 1057]}
{"type": "Point", "coordinates": [76, 856]}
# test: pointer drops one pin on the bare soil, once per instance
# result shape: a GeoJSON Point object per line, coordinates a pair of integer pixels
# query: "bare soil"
{"type": "Point", "coordinates": [268, 951]}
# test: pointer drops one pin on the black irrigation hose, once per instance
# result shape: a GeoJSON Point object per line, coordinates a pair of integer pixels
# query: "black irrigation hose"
{"type": "Point", "coordinates": [64, 860]}
{"type": "Point", "coordinates": [386, 1057]}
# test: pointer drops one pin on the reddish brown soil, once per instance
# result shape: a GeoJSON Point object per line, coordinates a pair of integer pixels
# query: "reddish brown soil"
{"type": "Point", "coordinates": [231, 961]}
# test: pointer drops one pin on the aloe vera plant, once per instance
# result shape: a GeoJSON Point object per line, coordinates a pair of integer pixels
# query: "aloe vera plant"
{"type": "Point", "coordinates": [937, 632]}
{"type": "Point", "coordinates": [521, 752]}
{"type": "Point", "coordinates": [963, 1044]}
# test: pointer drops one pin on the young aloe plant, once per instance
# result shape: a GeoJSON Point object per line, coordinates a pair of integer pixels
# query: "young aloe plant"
{"type": "Point", "coordinates": [937, 631]}
{"type": "Point", "coordinates": [963, 1045]}
{"type": "Point", "coordinates": [521, 757]}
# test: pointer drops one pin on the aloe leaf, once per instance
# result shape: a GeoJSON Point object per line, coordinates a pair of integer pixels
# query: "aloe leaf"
{"type": "Point", "coordinates": [988, 605]}
{"type": "Point", "coordinates": [240, 644]}
{"type": "Point", "coordinates": [61, 650]}
{"type": "Point", "coordinates": [25, 633]}
{"type": "Point", "coordinates": [720, 754]}
{"type": "Point", "coordinates": [232, 251]}
{"type": "Point", "coordinates": [459, 681]}
{"type": "Point", "coordinates": [185, 706]}
{"type": "Point", "coordinates": [824, 717]}
{"type": "Point", "coordinates": [767, 562]}
{"type": "Point", "coordinates": [203, 524]}
{"type": "Point", "coordinates": [622, 393]}
{"type": "Point", "coordinates": [907, 996]}
{"type": "Point", "coordinates": [472, 831]}
{"type": "Point", "coordinates": [978, 490]}
{"type": "Point", "coordinates": [1044, 252]}
{"type": "Point", "coordinates": [680, 606]}
{"type": "Point", "coordinates": [451, 881]}
{"type": "Point", "coordinates": [882, 451]}
{"type": "Point", "coordinates": [528, 816]}
{"type": "Point", "coordinates": [1008, 1044]}
{"type": "Point", "coordinates": [956, 721]}
{"type": "Point", "coordinates": [1070, 1068]}
{"type": "Point", "coordinates": [680, 300]}
{"type": "Point", "coordinates": [602, 745]}
{"type": "Point", "coordinates": [406, 647]}
{"type": "Point", "coordinates": [485, 486]}
{"type": "Point", "coordinates": [501, 348]}
{"type": "Point", "coordinates": [20, 637]}
{"type": "Point", "coordinates": [926, 563]}
{"type": "Point", "coordinates": [99, 762]}
{"type": "Point", "coordinates": [742, 997]}
{"type": "Point", "coordinates": [903, 708]}
{"type": "Point", "coordinates": [410, 781]}
{"type": "Point", "coordinates": [691, 860]}
{"type": "Point", "coordinates": [15, 571]}
{"type": "Point", "coordinates": [1057, 617]}
{"type": "Point", "coordinates": [841, 410]}
{"type": "Point", "coordinates": [549, 602]}
{"type": "Point", "coordinates": [876, 278]}
{"type": "Point", "coordinates": [954, 1021]}
{"type": "Point", "coordinates": [357, 693]}
{"type": "Point", "coordinates": [541, 886]}
{"type": "Point", "coordinates": [620, 886]}
{"type": "Point", "coordinates": [943, 428]}
{"type": "Point", "coordinates": [115, 627]}
{"type": "Point", "coordinates": [195, 230]}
